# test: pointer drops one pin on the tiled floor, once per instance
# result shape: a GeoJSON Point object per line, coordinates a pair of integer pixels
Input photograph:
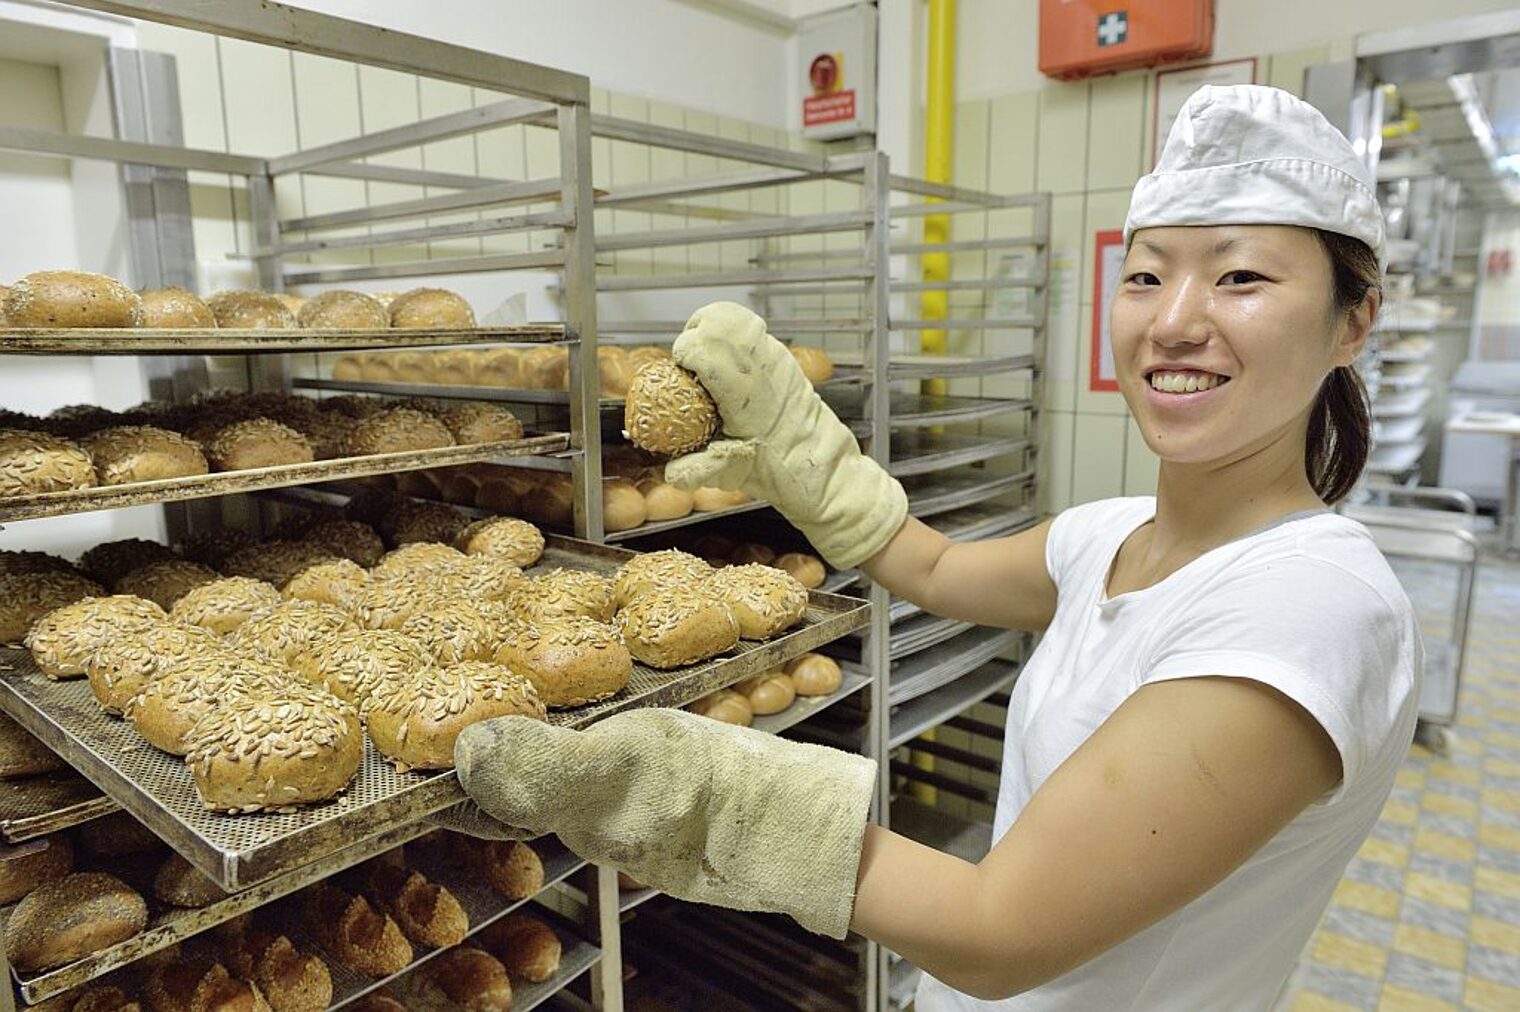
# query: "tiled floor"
{"type": "Point", "coordinates": [1428, 915]}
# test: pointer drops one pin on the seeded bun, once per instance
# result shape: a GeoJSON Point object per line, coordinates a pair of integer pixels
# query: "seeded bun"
{"type": "Point", "coordinates": [130, 453]}
{"type": "Point", "coordinates": [675, 626]}
{"type": "Point", "coordinates": [515, 541]}
{"type": "Point", "coordinates": [668, 412]}
{"type": "Point", "coordinates": [326, 582]}
{"type": "Point", "coordinates": [32, 562]}
{"type": "Point", "coordinates": [111, 560]}
{"type": "Point", "coordinates": [291, 980]}
{"type": "Point", "coordinates": [35, 462]}
{"type": "Point", "coordinates": [22, 755]}
{"type": "Point", "coordinates": [513, 868]}
{"type": "Point", "coordinates": [415, 558]}
{"type": "Point", "coordinates": [708, 500]}
{"type": "Point", "coordinates": [663, 501]}
{"type": "Point", "coordinates": [20, 875]}
{"type": "Point", "coordinates": [473, 422]}
{"type": "Point", "coordinates": [817, 365]}
{"type": "Point", "coordinates": [71, 299]}
{"type": "Point", "coordinates": [751, 551]}
{"type": "Point", "coordinates": [478, 578]}
{"type": "Point", "coordinates": [354, 663]}
{"type": "Point", "coordinates": [171, 703]}
{"type": "Point", "coordinates": [258, 442]}
{"type": "Point", "coordinates": [349, 539]}
{"type": "Point", "coordinates": [526, 946]}
{"type": "Point", "coordinates": [62, 920]}
{"type": "Point", "coordinates": [570, 661]}
{"type": "Point", "coordinates": [451, 631]}
{"type": "Point", "coordinates": [167, 581]}
{"type": "Point", "coordinates": [427, 913]}
{"type": "Point", "coordinates": [381, 603]}
{"type": "Point", "coordinates": [174, 307]}
{"type": "Point", "coordinates": [276, 562]}
{"type": "Point", "coordinates": [64, 639]}
{"type": "Point", "coordinates": [727, 706]}
{"type": "Point", "coordinates": [431, 309]}
{"type": "Point", "coordinates": [805, 569]}
{"type": "Point", "coordinates": [223, 605]}
{"type": "Point", "coordinates": [200, 984]}
{"type": "Point", "coordinates": [364, 939]}
{"type": "Point", "coordinates": [566, 593]}
{"type": "Point", "coordinates": [212, 547]}
{"type": "Point", "coordinates": [275, 752]}
{"type": "Point", "coordinates": [292, 302]}
{"type": "Point", "coordinates": [769, 693]}
{"type": "Point", "coordinates": [465, 977]}
{"type": "Point", "coordinates": [397, 430]}
{"type": "Point", "coordinates": [765, 601]}
{"type": "Point", "coordinates": [246, 310]}
{"type": "Point", "coordinates": [27, 597]}
{"type": "Point", "coordinates": [180, 884]}
{"type": "Point", "coordinates": [422, 521]}
{"type": "Point", "coordinates": [654, 570]}
{"type": "Point", "coordinates": [343, 310]}
{"type": "Point", "coordinates": [289, 627]}
{"type": "Point", "coordinates": [415, 723]}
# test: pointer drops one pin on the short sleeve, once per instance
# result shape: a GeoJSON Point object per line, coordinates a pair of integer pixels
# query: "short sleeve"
{"type": "Point", "coordinates": [1085, 536]}
{"type": "Point", "coordinates": [1313, 630]}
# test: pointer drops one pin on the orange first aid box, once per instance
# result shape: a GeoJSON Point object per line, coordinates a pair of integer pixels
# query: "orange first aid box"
{"type": "Point", "coordinates": [1079, 38]}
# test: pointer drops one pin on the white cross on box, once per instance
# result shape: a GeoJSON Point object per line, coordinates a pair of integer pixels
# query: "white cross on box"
{"type": "Point", "coordinates": [1113, 28]}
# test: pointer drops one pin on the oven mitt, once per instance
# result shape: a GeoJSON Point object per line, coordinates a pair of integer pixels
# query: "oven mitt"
{"type": "Point", "coordinates": [785, 446]}
{"type": "Point", "coordinates": [698, 809]}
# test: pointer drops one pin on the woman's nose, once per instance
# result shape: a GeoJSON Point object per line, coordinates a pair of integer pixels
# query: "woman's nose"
{"type": "Point", "coordinates": [1182, 314]}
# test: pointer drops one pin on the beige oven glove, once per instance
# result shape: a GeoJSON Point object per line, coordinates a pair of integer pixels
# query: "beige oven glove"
{"type": "Point", "coordinates": [698, 809]}
{"type": "Point", "coordinates": [784, 445]}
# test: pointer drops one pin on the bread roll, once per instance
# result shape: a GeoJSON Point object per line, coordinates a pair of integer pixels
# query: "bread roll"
{"type": "Point", "coordinates": [526, 946]}
{"type": "Point", "coordinates": [467, 978]}
{"type": "Point", "coordinates": [397, 430]}
{"type": "Point", "coordinates": [223, 605]}
{"type": "Point", "coordinates": [677, 625]}
{"type": "Point", "coordinates": [169, 705]}
{"type": "Point", "coordinates": [614, 371]}
{"type": "Point", "coordinates": [566, 593]}
{"type": "Point", "coordinates": [769, 693]}
{"type": "Point", "coordinates": [765, 601]}
{"type": "Point", "coordinates": [814, 675]}
{"type": "Point", "coordinates": [413, 521]}
{"type": "Point", "coordinates": [276, 562]}
{"type": "Point", "coordinates": [200, 985]}
{"type": "Point", "coordinates": [326, 582]}
{"type": "Point", "coordinates": [551, 503]}
{"type": "Point", "coordinates": [805, 569]}
{"type": "Point", "coordinates": [289, 627]}
{"type": "Point", "coordinates": [269, 754]}
{"type": "Point", "coordinates": [173, 308]}
{"type": "Point", "coordinates": [377, 368]}
{"type": "Point", "coordinates": [212, 547]}
{"type": "Point", "coordinates": [451, 631]}
{"type": "Point", "coordinates": [663, 501]}
{"type": "Point", "coordinates": [327, 432]}
{"type": "Point", "coordinates": [354, 663]}
{"type": "Point", "coordinates": [294, 303]}
{"type": "Point", "coordinates": [727, 706]}
{"type": "Point", "coordinates": [35, 462]}
{"type": "Point", "coordinates": [622, 505]}
{"type": "Point", "coordinates": [20, 875]}
{"type": "Point", "coordinates": [349, 927]}
{"type": "Point", "coordinates": [248, 310]}
{"type": "Point", "coordinates": [180, 884]}
{"type": "Point", "coordinates": [475, 422]}
{"type": "Point", "coordinates": [715, 549]}
{"type": "Point", "coordinates": [655, 570]}
{"type": "Point", "coordinates": [545, 368]}
{"type": "Point", "coordinates": [459, 485]}
{"type": "Point", "coordinates": [749, 552]}
{"type": "Point", "coordinates": [33, 562]}
{"type": "Point", "coordinates": [290, 980]}
{"type": "Point", "coordinates": [643, 354]}
{"type": "Point", "coordinates": [512, 867]}
{"type": "Point", "coordinates": [27, 597]}
{"type": "Point", "coordinates": [22, 755]}
{"type": "Point", "coordinates": [102, 999]}
{"type": "Point", "coordinates": [415, 723]}
{"type": "Point", "coordinates": [431, 309]}
{"type": "Point", "coordinates": [417, 557]}
{"type": "Point", "coordinates": [111, 560]}
{"type": "Point", "coordinates": [476, 580]}
{"type": "Point", "coordinates": [343, 310]}
{"type": "Point", "coordinates": [62, 920]}
{"type": "Point", "coordinates": [499, 367]}
{"type": "Point", "coordinates": [257, 442]}
{"type": "Point", "coordinates": [71, 299]}
{"type": "Point", "coordinates": [377, 1001]}
{"type": "Point", "coordinates": [349, 539]}
{"type": "Point", "coordinates": [65, 639]}
{"type": "Point", "coordinates": [450, 367]}
{"type": "Point", "coordinates": [348, 368]}
{"type": "Point", "coordinates": [668, 412]}
{"type": "Point", "coordinates": [166, 582]}
{"type": "Point", "coordinates": [816, 363]}
{"type": "Point", "coordinates": [570, 661]}
{"type": "Point", "coordinates": [707, 500]}
{"type": "Point", "coordinates": [427, 913]}
{"type": "Point", "coordinates": [143, 453]}
{"type": "Point", "coordinates": [75, 420]}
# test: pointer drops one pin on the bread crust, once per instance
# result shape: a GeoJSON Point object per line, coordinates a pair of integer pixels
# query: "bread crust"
{"type": "Point", "coordinates": [570, 661]}
{"type": "Point", "coordinates": [71, 299]}
{"type": "Point", "coordinates": [675, 626]}
{"type": "Point", "coordinates": [129, 453]}
{"type": "Point", "coordinates": [431, 308]}
{"type": "Point", "coordinates": [668, 411]}
{"type": "Point", "coordinates": [764, 600]}
{"type": "Point", "coordinates": [223, 605]}
{"type": "Point", "coordinates": [172, 307]}
{"type": "Point", "coordinates": [343, 310]}
{"type": "Point", "coordinates": [249, 309]}
{"type": "Point", "coordinates": [32, 463]}
{"type": "Point", "coordinates": [415, 723]}
{"type": "Point", "coordinates": [258, 442]}
{"type": "Point", "coordinates": [63, 641]}
{"type": "Point", "coordinates": [62, 920]}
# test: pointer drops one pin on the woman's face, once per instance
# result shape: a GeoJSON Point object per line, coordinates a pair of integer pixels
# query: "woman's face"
{"type": "Point", "coordinates": [1222, 336]}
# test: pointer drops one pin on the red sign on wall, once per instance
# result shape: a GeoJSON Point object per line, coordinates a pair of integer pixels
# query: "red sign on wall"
{"type": "Point", "coordinates": [836, 107]}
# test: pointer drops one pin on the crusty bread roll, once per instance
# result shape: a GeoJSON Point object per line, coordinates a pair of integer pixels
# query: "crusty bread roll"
{"type": "Point", "coordinates": [431, 309]}
{"type": "Point", "coordinates": [715, 549]}
{"type": "Point", "coordinates": [20, 875]}
{"type": "Point", "coordinates": [353, 663]}
{"type": "Point", "coordinates": [349, 539]}
{"type": "Point", "coordinates": [765, 601]}
{"type": "Point", "coordinates": [814, 675]}
{"type": "Point", "coordinates": [725, 705]}
{"type": "Point", "coordinates": [551, 503]}
{"type": "Point", "coordinates": [416, 557]}
{"type": "Point", "coordinates": [426, 912]}
{"type": "Point", "coordinates": [613, 370]}
{"type": "Point", "coordinates": [562, 593]}
{"type": "Point", "coordinates": [71, 299]}
{"type": "Point", "coordinates": [290, 980]}
{"type": "Point", "coordinates": [498, 494]}
{"type": "Point", "coordinates": [545, 368]}
{"type": "Point", "coordinates": [223, 605]}
{"type": "Point", "coordinates": [168, 706]}
{"type": "Point", "coordinates": [180, 884]}
{"type": "Point", "coordinates": [451, 630]}
{"type": "Point", "coordinates": [769, 693]}
{"type": "Point", "coordinates": [570, 661]}
{"type": "Point", "coordinates": [109, 561]}
{"type": "Point", "coordinates": [415, 723]}
{"type": "Point", "coordinates": [257, 442]}
{"type": "Point", "coordinates": [674, 626]}
{"type": "Point", "coordinates": [62, 920]}
{"type": "Point", "coordinates": [623, 506]}
{"type": "Point", "coordinates": [751, 551]}
{"type": "Point", "coordinates": [269, 754]}
{"type": "Point", "coordinates": [476, 580]}
{"type": "Point", "coordinates": [344, 310]}
{"type": "Point", "coordinates": [65, 639]}
{"type": "Point", "coordinates": [35, 462]}
{"type": "Point", "coordinates": [100, 999]}
{"type": "Point", "coordinates": [197, 985]}
{"type": "Point", "coordinates": [377, 367]}
{"type": "Point", "coordinates": [173, 308]}
{"type": "Point", "coordinates": [27, 597]}
{"type": "Point", "coordinates": [143, 453]}
{"type": "Point", "coordinates": [327, 582]}
{"type": "Point", "coordinates": [289, 627]}
{"type": "Point", "coordinates": [166, 582]}
{"type": "Point", "coordinates": [33, 562]}
{"type": "Point", "coordinates": [212, 546]}
{"type": "Point", "coordinates": [663, 501]}
{"type": "Point", "coordinates": [326, 432]}
{"type": "Point", "coordinates": [246, 310]}
{"type": "Point", "coordinates": [480, 422]}
{"type": "Point", "coordinates": [377, 1001]}
{"type": "Point", "coordinates": [526, 946]}
{"type": "Point", "coordinates": [655, 570]}
{"type": "Point", "coordinates": [397, 430]}
{"type": "Point", "coordinates": [420, 484]}
{"type": "Point", "coordinates": [294, 303]}
{"type": "Point", "coordinates": [467, 978]}
{"type": "Point", "coordinates": [816, 363]}
{"type": "Point", "coordinates": [513, 868]}
{"type": "Point", "coordinates": [277, 561]}
{"type": "Point", "coordinates": [805, 569]}
{"type": "Point", "coordinates": [413, 521]}
{"type": "Point", "coordinates": [363, 938]}
{"type": "Point", "coordinates": [643, 354]}
{"type": "Point", "coordinates": [707, 499]}
{"type": "Point", "coordinates": [450, 367]}
{"type": "Point", "coordinates": [22, 755]}
{"type": "Point", "coordinates": [668, 412]}
{"type": "Point", "coordinates": [348, 368]}
{"type": "Point", "coordinates": [458, 485]}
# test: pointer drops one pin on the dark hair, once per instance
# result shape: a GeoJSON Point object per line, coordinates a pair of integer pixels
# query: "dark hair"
{"type": "Point", "coordinates": [1340, 425]}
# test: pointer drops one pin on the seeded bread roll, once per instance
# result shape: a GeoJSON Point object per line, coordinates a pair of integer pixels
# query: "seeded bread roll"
{"type": "Point", "coordinates": [166, 582]}
{"type": "Point", "coordinates": [668, 411]}
{"type": "Point", "coordinates": [343, 310]}
{"type": "Point", "coordinates": [614, 371]}
{"type": "Point", "coordinates": [33, 562]}
{"type": "Point", "coordinates": [655, 570]}
{"type": "Point", "coordinates": [71, 299]}
{"type": "Point", "coordinates": [513, 868]}
{"type": "Point", "coordinates": [467, 978]}
{"type": "Point", "coordinates": [60, 921]}
{"type": "Point", "coordinates": [451, 631]}
{"type": "Point", "coordinates": [413, 521]}
{"type": "Point", "coordinates": [545, 368]}
{"type": "Point", "coordinates": [382, 603]}
{"type": "Point", "coordinates": [349, 539]}
{"type": "Point", "coordinates": [171, 703]}
{"type": "Point", "coordinates": [200, 985]}
{"type": "Point", "coordinates": [415, 723]}
{"type": "Point", "coordinates": [674, 626]}
{"type": "Point", "coordinates": [291, 980]}
{"type": "Point", "coordinates": [350, 405]}
{"type": "Point", "coordinates": [294, 303]}
{"type": "Point", "coordinates": [20, 875]}
{"type": "Point", "coordinates": [143, 453]}
{"type": "Point", "coordinates": [174, 307]}
{"type": "Point", "coordinates": [708, 500]}
{"type": "Point", "coordinates": [258, 442]}
{"type": "Point", "coordinates": [751, 551]}
{"type": "Point", "coordinates": [515, 541]}
{"type": "Point", "coordinates": [22, 755]}
{"type": "Point", "coordinates": [727, 706]}
{"type": "Point", "coordinates": [288, 628]}
{"type": "Point", "coordinates": [663, 501]}
{"type": "Point", "coordinates": [427, 913]}
{"type": "Point", "coordinates": [417, 557]}
{"type": "Point", "coordinates": [458, 485]}
{"type": "Point", "coordinates": [212, 547]}
{"type": "Point", "coordinates": [180, 884]}
{"type": "Point", "coordinates": [64, 640]}
{"type": "Point", "coordinates": [623, 506]}
{"type": "Point", "coordinates": [643, 354]}
{"type": "Point", "coordinates": [223, 605]}
{"type": "Point", "coordinates": [551, 503]}
{"type": "Point", "coordinates": [479, 578]}
{"type": "Point", "coordinates": [35, 462]}
{"type": "Point", "coordinates": [805, 569]}
{"type": "Point", "coordinates": [566, 593]}
{"type": "Point", "coordinates": [431, 309]}
{"type": "Point", "coordinates": [270, 754]}
{"type": "Point", "coordinates": [326, 582]}
{"type": "Point", "coordinates": [111, 560]}
{"type": "Point", "coordinates": [397, 430]}
{"type": "Point", "coordinates": [473, 422]}
{"type": "Point", "coordinates": [364, 939]}
{"type": "Point", "coordinates": [817, 365]}
{"type": "Point", "coordinates": [769, 693]}
{"type": "Point", "coordinates": [247, 310]}
{"type": "Point", "coordinates": [27, 597]}
{"type": "Point", "coordinates": [377, 368]}
{"type": "Point", "coordinates": [276, 562]}
{"type": "Point", "coordinates": [765, 601]}
{"type": "Point", "coordinates": [570, 661]}
{"type": "Point", "coordinates": [354, 663]}
{"type": "Point", "coordinates": [76, 420]}
{"type": "Point", "coordinates": [526, 946]}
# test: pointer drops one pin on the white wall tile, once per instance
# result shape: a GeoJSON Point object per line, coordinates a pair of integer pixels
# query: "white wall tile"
{"type": "Point", "coordinates": [1062, 160]}
{"type": "Point", "coordinates": [1140, 464]}
{"type": "Point", "coordinates": [1058, 440]}
{"type": "Point", "coordinates": [1098, 458]}
{"type": "Point", "coordinates": [1116, 130]}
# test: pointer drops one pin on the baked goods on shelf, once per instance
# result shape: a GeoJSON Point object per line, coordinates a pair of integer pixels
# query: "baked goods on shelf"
{"type": "Point", "coordinates": [71, 299]}
{"type": "Point", "coordinates": [753, 552]}
{"type": "Point", "coordinates": [526, 946]}
{"type": "Point", "coordinates": [361, 937]}
{"type": "Point", "coordinates": [397, 430]}
{"type": "Point", "coordinates": [349, 539]}
{"type": "Point", "coordinates": [805, 569]}
{"type": "Point", "coordinates": [451, 631]}
{"type": "Point", "coordinates": [477, 578]}
{"type": "Point", "coordinates": [200, 984]}
{"type": "Point", "coordinates": [247, 309]}
{"type": "Point", "coordinates": [174, 308]}
{"type": "Point", "coordinates": [549, 503]}
{"type": "Point", "coordinates": [413, 520]}
{"type": "Point", "coordinates": [181, 884]}
{"type": "Point", "coordinates": [27, 597]}
{"type": "Point", "coordinates": [725, 705]}
{"type": "Point", "coordinates": [817, 365]}
{"type": "Point", "coordinates": [20, 875]}
{"type": "Point", "coordinates": [765, 601]}
{"type": "Point", "coordinates": [354, 663]}
{"type": "Point", "coordinates": [174, 699]}
{"type": "Point", "coordinates": [513, 868]}
{"type": "Point", "coordinates": [343, 310]}
{"type": "Point", "coordinates": [570, 661]}
{"type": "Point", "coordinates": [164, 583]}
{"type": "Point", "coordinates": [675, 626]}
{"type": "Point", "coordinates": [623, 505]}
{"type": "Point", "coordinates": [257, 442]}
{"type": "Point", "coordinates": [663, 501]}
{"type": "Point", "coordinates": [22, 755]}
{"type": "Point", "coordinates": [465, 977]}
{"type": "Point", "coordinates": [667, 410]}
{"type": "Point", "coordinates": [426, 912]}
{"type": "Point", "coordinates": [289, 979]}
{"type": "Point", "coordinates": [63, 640]}
{"type": "Point", "coordinates": [377, 1001]}
{"type": "Point", "coordinates": [35, 462]}
{"type": "Point", "coordinates": [129, 453]}
{"type": "Point", "coordinates": [414, 723]}
{"type": "Point", "coordinates": [276, 562]}
{"type": "Point", "coordinates": [116, 835]}
{"type": "Point", "coordinates": [814, 675]}
{"type": "Point", "coordinates": [289, 627]}
{"type": "Point", "coordinates": [62, 920]}
{"type": "Point", "coordinates": [480, 422]}
{"type": "Point", "coordinates": [223, 605]}
{"type": "Point", "coordinates": [415, 558]}
{"type": "Point", "coordinates": [654, 570]}
{"type": "Point", "coordinates": [33, 562]}
{"type": "Point", "coordinates": [109, 561]}
{"type": "Point", "coordinates": [710, 500]}
{"type": "Point", "coordinates": [123, 667]}
{"type": "Point", "coordinates": [103, 999]}
{"type": "Point", "coordinates": [326, 582]}
{"type": "Point", "coordinates": [566, 593]}
{"type": "Point", "coordinates": [430, 309]}
{"type": "Point", "coordinates": [769, 693]}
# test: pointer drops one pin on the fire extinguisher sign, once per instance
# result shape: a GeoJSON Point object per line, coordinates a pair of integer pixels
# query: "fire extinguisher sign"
{"type": "Point", "coordinates": [830, 101]}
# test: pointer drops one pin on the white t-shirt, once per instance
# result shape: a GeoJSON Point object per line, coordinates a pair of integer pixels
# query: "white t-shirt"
{"type": "Point", "coordinates": [1307, 606]}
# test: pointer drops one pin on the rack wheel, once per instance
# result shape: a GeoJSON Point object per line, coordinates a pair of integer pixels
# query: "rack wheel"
{"type": "Point", "coordinates": [1435, 737]}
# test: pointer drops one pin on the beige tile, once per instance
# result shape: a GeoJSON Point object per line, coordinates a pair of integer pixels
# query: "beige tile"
{"type": "Point", "coordinates": [260, 103]}
{"type": "Point", "coordinates": [1496, 880]}
{"type": "Point", "coordinates": [1435, 890]}
{"type": "Point", "coordinates": [1287, 69]}
{"type": "Point", "coordinates": [1013, 129]}
{"type": "Point", "coordinates": [1446, 804]}
{"type": "Point", "coordinates": [1311, 1001]}
{"type": "Point", "coordinates": [1494, 834]}
{"type": "Point", "coordinates": [1089, 401]}
{"type": "Point", "coordinates": [1384, 852]}
{"type": "Point", "coordinates": [1057, 447]}
{"type": "Point", "coordinates": [1062, 164]}
{"type": "Point", "coordinates": [200, 81]}
{"type": "Point", "coordinates": [1454, 848]}
{"type": "Point", "coordinates": [1490, 996]}
{"type": "Point", "coordinates": [1443, 950]}
{"type": "Point", "coordinates": [1495, 934]}
{"type": "Point", "coordinates": [1367, 898]}
{"type": "Point", "coordinates": [1401, 813]}
{"type": "Point", "coordinates": [1098, 461]}
{"type": "Point", "coordinates": [1116, 130]}
{"type": "Point", "coordinates": [1350, 954]}
{"type": "Point", "coordinates": [1401, 999]}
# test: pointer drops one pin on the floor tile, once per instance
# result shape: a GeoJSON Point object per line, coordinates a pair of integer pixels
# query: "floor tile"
{"type": "Point", "coordinates": [1494, 934]}
{"type": "Point", "coordinates": [1448, 825]}
{"type": "Point", "coordinates": [1376, 874]}
{"type": "Point", "coordinates": [1460, 872]}
{"type": "Point", "coordinates": [1492, 964]}
{"type": "Point", "coordinates": [1446, 804]}
{"type": "Point", "coordinates": [1495, 880]}
{"type": "Point", "coordinates": [1492, 834]}
{"type": "Point", "coordinates": [1453, 848]}
{"type": "Point", "coordinates": [1504, 860]}
{"type": "Point", "coordinates": [1384, 852]}
{"type": "Point", "coordinates": [1500, 908]}
{"type": "Point", "coordinates": [1432, 916]}
{"type": "Point", "coordinates": [1402, 813]}
{"type": "Point", "coordinates": [1362, 926]}
{"type": "Point", "coordinates": [1342, 953]}
{"type": "Point", "coordinates": [1311, 1001]}
{"type": "Point", "coordinates": [1449, 951]}
{"type": "Point", "coordinates": [1424, 976]}
{"type": "Point", "coordinates": [1490, 996]}
{"type": "Point", "coordinates": [1438, 891]}
{"type": "Point", "coordinates": [1398, 999]}
{"type": "Point", "coordinates": [1354, 989]}
{"type": "Point", "coordinates": [1368, 898]}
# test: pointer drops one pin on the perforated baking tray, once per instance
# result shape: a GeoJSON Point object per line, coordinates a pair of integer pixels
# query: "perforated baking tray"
{"type": "Point", "coordinates": [213, 341]}
{"type": "Point", "coordinates": [240, 850]}
{"type": "Point", "coordinates": [45, 804]}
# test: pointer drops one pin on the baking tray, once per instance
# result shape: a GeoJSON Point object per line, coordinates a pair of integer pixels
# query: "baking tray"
{"type": "Point", "coordinates": [202, 486]}
{"type": "Point", "coordinates": [213, 341]}
{"type": "Point", "coordinates": [390, 388]}
{"type": "Point", "coordinates": [239, 850]}
{"type": "Point", "coordinates": [960, 487]}
{"type": "Point", "coordinates": [36, 806]}
{"type": "Point", "coordinates": [921, 452]}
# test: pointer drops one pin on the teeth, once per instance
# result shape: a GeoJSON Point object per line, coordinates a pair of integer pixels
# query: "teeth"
{"type": "Point", "coordinates": [1185, 382]}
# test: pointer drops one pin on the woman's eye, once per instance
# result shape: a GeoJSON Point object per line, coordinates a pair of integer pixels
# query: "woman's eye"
{"type": "Point", "coordinates": [1143, 278]}
{"type": "Point", "coordinates": [1241, 278]}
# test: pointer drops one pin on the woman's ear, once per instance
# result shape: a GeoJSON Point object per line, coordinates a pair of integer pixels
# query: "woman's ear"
{"type": "Point", "coordinates": [1356, 327]}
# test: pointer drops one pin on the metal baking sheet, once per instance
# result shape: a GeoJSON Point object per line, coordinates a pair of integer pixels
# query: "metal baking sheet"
{"type": "Point", "coordinates": [911, 410]}
{"type": "Point", "coordinates": [202, 486]}
{"type": "Point", "coordinates": [240, 850]}
{"type": "Point", "coordinates": [516, 395]}
{"type": "Point", "coordinates": [965, 486]}
{"type": "Point", "coordinates": [947, 661]}
{"type": "Point", "coordinates": [36, 806]}
{"type": "Point", "coordinates": [921, 452]}
{"type": "Point", "coordinates": [214, 341]}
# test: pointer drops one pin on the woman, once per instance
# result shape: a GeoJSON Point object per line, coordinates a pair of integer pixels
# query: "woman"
{"type": "Point", "coordinates": [1226, 683]}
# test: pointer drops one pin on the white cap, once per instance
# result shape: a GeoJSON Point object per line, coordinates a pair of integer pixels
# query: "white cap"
{"type": "Point", "coordinates": [1252, 155]}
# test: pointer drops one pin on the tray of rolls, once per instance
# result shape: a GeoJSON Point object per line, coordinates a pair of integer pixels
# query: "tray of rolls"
{"type": "Point", "coordinates": [223, 709]}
